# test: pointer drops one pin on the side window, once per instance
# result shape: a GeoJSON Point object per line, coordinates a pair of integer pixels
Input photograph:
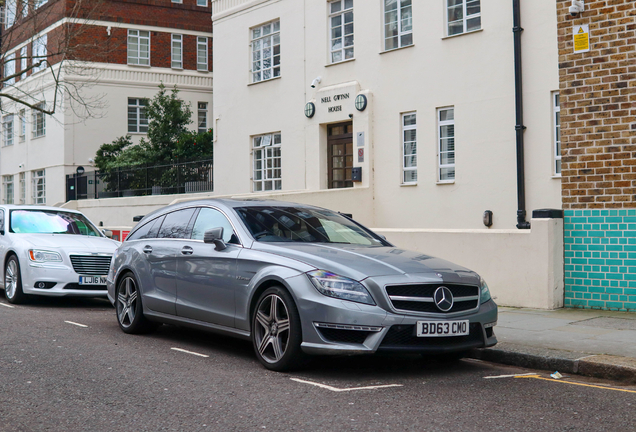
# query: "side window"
{"type": "Point", "coordinates": [210, 218]}
{"type": "Point", "coordinates": [2, 220]}
{"type": "Point", "coordinates": [177, 224]}
{"type": "Point", "coordinates": [148, 230]}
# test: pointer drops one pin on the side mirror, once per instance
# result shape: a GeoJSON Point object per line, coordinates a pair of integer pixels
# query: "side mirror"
{"type": "Point", "coordinates": [215, 235]}
{"type": "Point", "coordinates": [108, 233]}
{"type": "Point", "coordinates": [383, 237]}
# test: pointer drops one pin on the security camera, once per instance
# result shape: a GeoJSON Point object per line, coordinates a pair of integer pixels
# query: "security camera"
{"type": "Point", "coordinates": [21, 166]}
{"type": "Point", "coordinates": [578, 6]}
{"type": "Point", "coordinates": [91, 160]}
{"type": "Point", "coordinates": [316, 81]}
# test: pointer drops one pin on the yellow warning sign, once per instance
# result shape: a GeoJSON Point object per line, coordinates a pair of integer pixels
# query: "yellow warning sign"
{"type": "Point", "coordinates": [581, 35]}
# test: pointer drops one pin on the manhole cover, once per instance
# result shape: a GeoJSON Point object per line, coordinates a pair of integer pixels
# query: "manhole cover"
{"type": "Point", "coordinates": [609, 323]}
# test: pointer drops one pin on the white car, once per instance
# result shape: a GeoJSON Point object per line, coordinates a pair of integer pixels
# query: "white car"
{"type": "Point", "coordinates": [52, 251]}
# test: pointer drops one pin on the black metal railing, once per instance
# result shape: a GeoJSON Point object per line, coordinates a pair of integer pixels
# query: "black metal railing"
{"type": "Point", "coordinates": [171, 178]}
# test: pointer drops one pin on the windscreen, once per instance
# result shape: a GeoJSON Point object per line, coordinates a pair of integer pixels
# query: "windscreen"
{"type": "Point", "coordinates": [292, 224]}
{"type": "Point", "coordinates": [51, 222]}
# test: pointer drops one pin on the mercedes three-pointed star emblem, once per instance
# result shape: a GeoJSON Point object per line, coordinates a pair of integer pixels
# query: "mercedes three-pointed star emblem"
{"type": "Point", "coordinates": [443, 299]}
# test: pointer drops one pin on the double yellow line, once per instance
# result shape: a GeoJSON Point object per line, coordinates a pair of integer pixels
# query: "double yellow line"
{"type": "Point", "coordinates": [574, 383]}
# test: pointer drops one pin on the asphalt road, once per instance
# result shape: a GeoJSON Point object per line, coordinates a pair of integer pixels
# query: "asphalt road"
{"type": "Point", "coordinates": [58, 376]}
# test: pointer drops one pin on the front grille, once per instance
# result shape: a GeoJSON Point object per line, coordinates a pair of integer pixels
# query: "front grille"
{"type": "Point", "coordinates": [344, 336]}
{"type": "Point", "coordinates": [465, 297]}
{"type": "Point", "coordinates": [76, 286]}
{"type": "Point", "coordinates": [91, 264]}
{"type": "Point", "coordinates": [400, 337]}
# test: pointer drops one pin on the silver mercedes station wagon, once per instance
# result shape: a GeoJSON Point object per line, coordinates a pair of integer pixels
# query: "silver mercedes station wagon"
{"type": "Point", "coordinates": [294, 279]}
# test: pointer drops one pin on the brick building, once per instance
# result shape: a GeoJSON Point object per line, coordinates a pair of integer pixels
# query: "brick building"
{"type": "Point", "coordinates": [597, 69]}
{"type": "Point", "coordinates": [110, 56]}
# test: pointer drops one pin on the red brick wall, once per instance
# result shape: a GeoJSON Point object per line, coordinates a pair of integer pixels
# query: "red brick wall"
{"type": "Point", "coordinates": [598, 106]}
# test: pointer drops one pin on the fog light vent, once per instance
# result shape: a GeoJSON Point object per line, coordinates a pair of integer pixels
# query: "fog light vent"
{"type": "Point", "coordinates": [44, 285]}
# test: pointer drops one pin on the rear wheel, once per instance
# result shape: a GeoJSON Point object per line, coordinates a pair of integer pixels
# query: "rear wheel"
{"type": "Point", "coordinates": [130, 314]}
{"type": "Point", "coordinates": [13, 281]}
{"type": "Point", "coordinates": [276, 331]}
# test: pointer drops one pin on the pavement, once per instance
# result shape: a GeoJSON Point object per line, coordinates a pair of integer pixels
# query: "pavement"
{"type": "Point", "coordinates": [587, 342]}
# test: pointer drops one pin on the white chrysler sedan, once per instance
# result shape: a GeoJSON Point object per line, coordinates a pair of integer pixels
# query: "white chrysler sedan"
{"type": "Point", "coordinates": [52, 252]}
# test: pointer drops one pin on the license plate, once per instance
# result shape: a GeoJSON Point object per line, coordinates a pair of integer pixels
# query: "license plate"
{"type": "Point", "coordinates": [92, 280]}
{"type": "Point", "coordinates": [442, 328]}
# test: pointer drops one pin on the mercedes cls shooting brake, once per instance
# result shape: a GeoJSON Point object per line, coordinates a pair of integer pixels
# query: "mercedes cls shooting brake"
{"type": "Point", "coordinates": [294, 279]}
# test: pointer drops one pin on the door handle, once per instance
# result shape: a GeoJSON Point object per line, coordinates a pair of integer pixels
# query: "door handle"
{"type": "Point", "coordinates": [147, 249]}
{"type": "Point", "coordinates": [187, 250]}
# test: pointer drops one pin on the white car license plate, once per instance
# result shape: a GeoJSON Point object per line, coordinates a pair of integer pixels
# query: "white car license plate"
{"type": "Point", "coordinates": [92, 280]}
{"type": "Point", "coordinates": [442, 328]}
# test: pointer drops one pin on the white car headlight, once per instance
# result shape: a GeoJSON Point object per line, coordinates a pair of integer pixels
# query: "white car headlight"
{"type": "Point", "coordinates": [44, 256]}
{"type": "Point", "coordinates": [484, 295]}
{"type": "Point", "coordinates": [340, 287]}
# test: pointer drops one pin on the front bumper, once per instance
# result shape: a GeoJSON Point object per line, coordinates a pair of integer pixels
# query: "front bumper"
{"type": "Point", "coordinates": [64, 278]}
{"type": "Point", "coordinates": [332, 326]}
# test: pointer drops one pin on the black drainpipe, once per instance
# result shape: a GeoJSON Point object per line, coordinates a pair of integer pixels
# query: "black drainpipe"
{"type": "Point", "coordinates": [519, 127]}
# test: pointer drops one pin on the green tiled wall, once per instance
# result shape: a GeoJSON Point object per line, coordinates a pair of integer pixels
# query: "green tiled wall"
{"type": "Point", "coordinates": [600, 259]}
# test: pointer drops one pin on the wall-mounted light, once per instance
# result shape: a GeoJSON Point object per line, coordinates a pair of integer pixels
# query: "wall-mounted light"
{"type": "Point", "coordinates": [316, 81]}
{"type": "Point", "coordinates": [488, 218]}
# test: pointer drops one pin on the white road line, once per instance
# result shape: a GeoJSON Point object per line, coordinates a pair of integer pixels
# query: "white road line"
{"type": "Point", "coordinates": [76, 324]}
{"type": "Point", "coordinates": [335, 389]}
{"type": "Point", "coordinates": [508, 376]}
{"type": "Point", "coordinates": [6, 305]}
{"type": "Point", "coordinates": [189, 352]}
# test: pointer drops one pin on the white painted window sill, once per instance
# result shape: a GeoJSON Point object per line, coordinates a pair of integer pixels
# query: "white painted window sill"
{"type": "Point", "coordinates": [263, 81]}
{"type": "Point", "coordinates": [447, 182]}
{"type": "Point", "coordinates": [408, 184]}
{"type": "Point", "coordinates": [340, 62]}
{"type": "Point", "coordinates": [397, 49]}
{"type": "Point", "coordinates": [462, 34]}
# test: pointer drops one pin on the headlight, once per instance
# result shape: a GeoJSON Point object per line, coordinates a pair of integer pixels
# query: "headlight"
{"type": "Point", "coordinates": [484, 295]}
{"type": "Point", "coordinates": [340, 287]}
{"type": "Point", "coordinates": [44, 256]}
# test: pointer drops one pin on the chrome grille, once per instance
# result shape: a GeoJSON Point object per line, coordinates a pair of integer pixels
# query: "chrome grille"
{"type": "Point", "coordinates": [419, 297]}
{"type": "Point", "coordinates": [91, 264]}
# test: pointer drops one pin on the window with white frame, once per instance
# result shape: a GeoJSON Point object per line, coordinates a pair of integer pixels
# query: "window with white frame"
{"type": "Point", "coordinates": [22, 180]}
{"type": "Point", "coordinates": [446, 147]}
{"type": "Point", "coordinates": [138, 47]}
{"type": "Point", "coordinates": [39, 121]}
{"type": "Point", "coordinates": [202, 120]}
{"type": "Point", "coordinates": [7, 130]}
{"type": "Point", "coordinates": [409, 148]}
{"type": "Point", "coordinates": [556, 125]}
{"type": "Point", "coordinates": [22, 130]}
{"type": "Point", "coordinates": [202, 53]}
{"type": "Point", "coordinates": [177, 51]}
{"type": "Point", "coordinates": [9, 69]}
{"type": "Point", "coordinates": [23, 61]}
{"type": "Point", "coordinates": [341, 34]}
{"type": "Point", "coordinates": [267, 162]}
{"type": "Point", "coordinates": [266, 51]}
{"type": "Point", "coordinates": [11, 9]}
{"type": "Point", "coordinates": [39, 53]}
{"type": "Point", "coordinates": [177, 1]}
{"type": "Point", "coordinates": [398, 24]}
{"type": "Point", "coordinates": [7, 185]}
{"type": "Point", "coordinates": [38, 3]}
{"type": "Point", "coordinates": [137, 120]}
{"type": "Point", "coordinates": [38, 186]}
{"type": "Point", "coordinates": [203, 3]}
{"type": "Point", "coordinates": [463, 16]}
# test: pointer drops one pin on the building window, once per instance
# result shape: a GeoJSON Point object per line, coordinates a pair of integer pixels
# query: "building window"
{"type": "Point", "coordinates": [177, 51]}
{"type": "Point", "coordinates": [409, 148]}
{"type": "Point", "coordinates": [23, 62]}
{"type": "Point", "coordinates": [7, 184]}
{"type": "Point", "coordinates": [446, 148]}
{"type": "Point", "coordinates": [39, 121]}
{"type": "Point", "coordinates": [202, 117]}
{"type": "Point", "coordinates": [267, 158]}
{"type": "Point", "coordinates": [202, 54]}
{"type": "Point", "coordinates": [398, 24]}
{"type": "Point", "coordinates": [7, 130]}
{"type": "Point", "coordinates": [11, 9]}
{"type": "Point", "coordinates": [138, 47]}
{"type": "Point", "coordinates": [463, 16]}
{"type": "Point", "coordinates": [341, 25]}
{"type": "Point", "coordinates": [22, 130]}
{"type": "Point", "coordinates": [38, 187]}
{"type": "Point", "coordinates": [177, 1]}
{"type": "Point", "coordinates": [39, 53]}
{"type": "Point", "coordinates": [22, 188]}
{"type": "Point", "coordinates": [266, 51]}
{"type": "Point", "coordinates": [137, 120]}
{"type": "Point", "coordinates": [38, 3]}
{"type": "Point", "coordinates": [203, 3]}
{"type": "Point", "coordinates": [556, 119]}
{"type": "Point", "coordinates": [9, 69]}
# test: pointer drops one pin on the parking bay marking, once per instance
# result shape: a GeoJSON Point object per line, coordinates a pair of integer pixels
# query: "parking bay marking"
{"type": "Point", "coordinates": [335, 389]}
{"type": "Point", "coordinates": [6, 305]}
{"type": "Point", "coordinates": [575, 383]}
{"type": "Point", "coordinates": [508, 376]}
{"type": "Point", "coordinates": [189, 352]}
{"type": "Point", "coordinates": [76, 324]}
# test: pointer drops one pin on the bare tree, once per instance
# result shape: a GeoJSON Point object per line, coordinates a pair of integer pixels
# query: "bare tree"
{"type": "Point", "coordinates": [48, 54]}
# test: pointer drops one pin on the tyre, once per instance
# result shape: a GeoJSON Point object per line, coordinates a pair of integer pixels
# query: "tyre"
{"type": "Point", "coordinates": [13, 281]}
{"type": "Point", "coordinates": [276, 330]}
{"type": "Point", "coordinates": [129, 309]}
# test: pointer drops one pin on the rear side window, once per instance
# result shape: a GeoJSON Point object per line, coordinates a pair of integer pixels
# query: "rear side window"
{"type": "Point", "coordinates": [210, 218]}
{"type": "Point", "coordinates": [148, 230]}
{"type": "Point", "coordinates": [177, 224]}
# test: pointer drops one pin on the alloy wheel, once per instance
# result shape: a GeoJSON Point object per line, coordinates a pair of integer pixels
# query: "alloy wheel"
{"type": "Point", "coordinates": [272, 328]}
{"type": "Point", "coordinates": [11, 278]}
{"type": "Point", "coordinates": [127, 301]}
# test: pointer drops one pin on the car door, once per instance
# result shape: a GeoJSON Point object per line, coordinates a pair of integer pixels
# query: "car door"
{"type": "Point", "coordinates": [206, 277]}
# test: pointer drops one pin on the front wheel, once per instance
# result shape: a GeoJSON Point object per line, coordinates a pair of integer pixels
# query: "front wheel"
{"type": "Point", "coordinates": [130, 314]}
{"type": "Point", "coordinates": [276, 331]}
{"type": "Point", "coordinates": [13, 281]}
